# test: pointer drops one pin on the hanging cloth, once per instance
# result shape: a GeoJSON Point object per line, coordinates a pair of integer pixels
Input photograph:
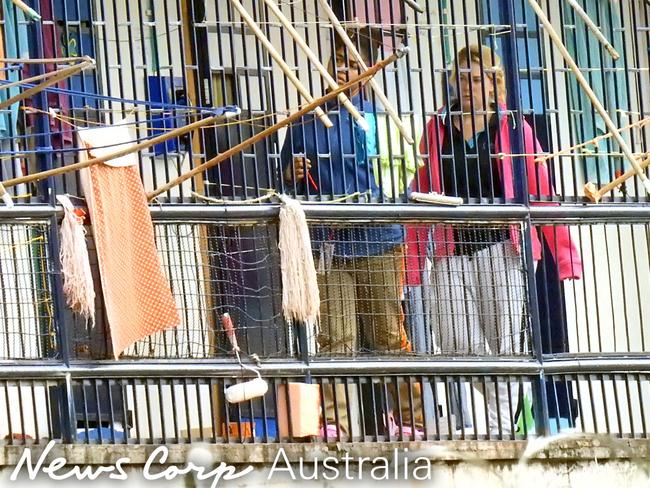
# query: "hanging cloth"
{"type": "Point", "coordinates": [137, 294]}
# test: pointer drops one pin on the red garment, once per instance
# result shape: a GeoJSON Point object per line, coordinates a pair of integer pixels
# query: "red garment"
{"type": "Point", "coordinates": [429, 179]}
{"type": "Point", "coordinates": [62, 132]}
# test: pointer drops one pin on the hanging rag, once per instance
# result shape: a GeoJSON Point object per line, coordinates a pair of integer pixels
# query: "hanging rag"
{"type": "Point", "coordinates": [78, 285]}
{"type": "Point", "coordinates": [137, 295]}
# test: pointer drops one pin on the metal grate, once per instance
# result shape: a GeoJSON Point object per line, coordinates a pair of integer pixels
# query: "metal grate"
{"type": "Point", "coordinates": [27, 329]}
{"type": "Point", "coordinates": [154, 63]}
{"type": "Point", "coordinates": [27, 408]}
{"type": "Point", "coordinates": [605, 310]}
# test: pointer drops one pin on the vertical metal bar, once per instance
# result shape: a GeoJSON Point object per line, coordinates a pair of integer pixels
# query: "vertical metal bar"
{"type": "Point", "coordinates": [638, 56]}
{"type": "Point", "coordinates": [21, 409]}
{"type": "Point", "coordinates": [540, 404]}
{"type": "Point", "coordinates": [640, 392]}
{"type": "Point", "coordinates": [45, 161]}
{"type": "Point", "coordinates": [602, 379]}
{"type": "Point", "coordinates": [146, 383]}
{"type": "Point", "coordinates": [111, 411]}
{"type": "Point", "coordinates": [161, 407]}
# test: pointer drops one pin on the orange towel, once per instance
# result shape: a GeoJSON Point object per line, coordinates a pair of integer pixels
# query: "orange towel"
{"type": "Point", "coordinates": [137, 294]}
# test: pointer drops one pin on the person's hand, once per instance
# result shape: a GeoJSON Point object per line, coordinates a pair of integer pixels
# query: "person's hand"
{"type": "Point", "coordinates": [301, 165]}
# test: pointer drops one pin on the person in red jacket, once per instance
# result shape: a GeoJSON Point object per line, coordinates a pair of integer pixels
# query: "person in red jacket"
{"type": "Point", "coordinates": [477, 279]}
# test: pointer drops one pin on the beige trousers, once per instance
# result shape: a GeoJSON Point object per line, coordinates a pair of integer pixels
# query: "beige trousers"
{"type": "Point", "coordinates": [363, 296]}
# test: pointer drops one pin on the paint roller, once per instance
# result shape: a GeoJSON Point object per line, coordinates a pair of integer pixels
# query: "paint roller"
{"type": "Point", "coordinates": [436, 198]}
{"type": "Point", "coordinates": [247, 390]}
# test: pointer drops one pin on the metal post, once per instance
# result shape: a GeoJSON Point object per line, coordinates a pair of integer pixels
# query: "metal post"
{"type": "Point", "coordinates": [44, 159]}
{"type": "Point", "coordinates": [540, 404]}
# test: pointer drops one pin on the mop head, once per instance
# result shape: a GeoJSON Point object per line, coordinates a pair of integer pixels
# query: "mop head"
{"type": "Point", "coordinates": [78, 285]}
{"type": "Point", "coordinates": [300, 298]}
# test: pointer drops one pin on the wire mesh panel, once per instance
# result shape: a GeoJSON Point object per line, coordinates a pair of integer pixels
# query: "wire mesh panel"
{"type": "Point", "coordinates": [27, 329]}
{"type": "Point", "coordinates": [458, 289]}
{"type": "Point", "coordinates": [213, 269]}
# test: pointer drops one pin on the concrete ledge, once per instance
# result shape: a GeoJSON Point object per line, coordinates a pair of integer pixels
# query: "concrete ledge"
{"type": "Point", "coordinates": [553, 449]}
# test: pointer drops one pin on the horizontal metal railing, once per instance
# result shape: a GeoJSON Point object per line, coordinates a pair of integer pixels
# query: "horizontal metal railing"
{"type": "Point", "coordinates": [153, 368]}
{"type": "Point", "coordinates": [571, 212]}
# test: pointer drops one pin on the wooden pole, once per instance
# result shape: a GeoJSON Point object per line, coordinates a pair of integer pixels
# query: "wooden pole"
{"type": "Point", "coordinates": [317, 63]}
{"type": "Point", "coordinates": [595, 194]}
{"type": "Point", "coordinates": [29, 11]}
{"type": "Point", "coordinates": [61, 75]}
{"type": "Point", "coordinates": [278, 59]}
{"type": "Point", "coordinates": [392, 113]}
{"type": "Point", "coordinates": [43, 60]}
{"type": "Point", "coordinates": [414, 5]}
{"type": "Point", "coordinates": [43, 76]}
{"type": "Point", "coordinates": [555, 38]}
{"type": "Point", "coordinates": [122, 152]}
{"type": "Point", "coordinates": [594, 28]}
{"type": "Point", "coordinates": [271, 130]}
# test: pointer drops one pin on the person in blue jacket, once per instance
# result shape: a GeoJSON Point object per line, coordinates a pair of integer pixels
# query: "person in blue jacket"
{"type": "Point", "coordinates": [361, 267]}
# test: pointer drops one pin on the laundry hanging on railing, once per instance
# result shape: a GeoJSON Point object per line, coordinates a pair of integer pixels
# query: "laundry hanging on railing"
{"type": "Point", "coordinates": [137, 295]}
{"type": "Point", "coordinates": [61, 133]}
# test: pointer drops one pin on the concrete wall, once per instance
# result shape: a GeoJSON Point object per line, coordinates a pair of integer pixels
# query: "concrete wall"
{"type": "Point", "coordinates": [576, 463]}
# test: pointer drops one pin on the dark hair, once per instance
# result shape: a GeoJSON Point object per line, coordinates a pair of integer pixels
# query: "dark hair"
{"type": "Point", "coordinates": [366, 40]}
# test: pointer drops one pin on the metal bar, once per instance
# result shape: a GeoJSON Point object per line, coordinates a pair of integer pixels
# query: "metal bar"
{"type": "Point", "coordinates": [189, 368]}
{"type": "Point", "coordinates": [45, 162]}
{"type": "Point", "coordinates": [613, 213]}
{"type": "Point", "coordinates": [517, 146]}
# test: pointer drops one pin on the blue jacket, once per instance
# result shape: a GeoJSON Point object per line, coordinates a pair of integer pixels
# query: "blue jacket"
{"type": "Point", "coordinates": [340, 166]}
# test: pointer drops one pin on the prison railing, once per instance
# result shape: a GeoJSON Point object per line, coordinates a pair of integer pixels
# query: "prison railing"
{"type": "Point", "coordinates": [160, 67]}
{"type": "Point", "coordinates": [564, 355]}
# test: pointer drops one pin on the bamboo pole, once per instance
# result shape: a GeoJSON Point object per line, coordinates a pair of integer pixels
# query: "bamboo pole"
{"type": "Point", "coordinates": [392, 113]}
{"type": "Point", "coordinates": [271, 130]}
{"type": "Point", "coordinates": [278, 59]}
{"type": "Point", "coordinates": [5, 197]}
{"type": "Point", "coordinates": [317, 63]}
{"type": "Point", "coordinates": [414, 5]}
{"type": "Point", "coordinates": [546, 157]}
{"type": "Point", "coordinates": [122, 152]}
{"type": "Point", "coordinates": [42, 60]}
{"type": "Point", "coordinates": [61, 75]}
{"type": "Point", "coordinates": [595, 194]}
{"type": "Point", "coordinates": [29, 11]}
{"type": "Point", "coordinates": [42, 76]}
{"type": "Point", "coordinates": [590, 93]}
{"type": "Point", "coordinates": [594, 28]}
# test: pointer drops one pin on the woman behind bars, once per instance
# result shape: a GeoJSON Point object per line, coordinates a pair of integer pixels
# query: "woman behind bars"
{"type": "Point", "coordinates": [478, 286]}
{"type": "Point", "coordinates": [361, 268]}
